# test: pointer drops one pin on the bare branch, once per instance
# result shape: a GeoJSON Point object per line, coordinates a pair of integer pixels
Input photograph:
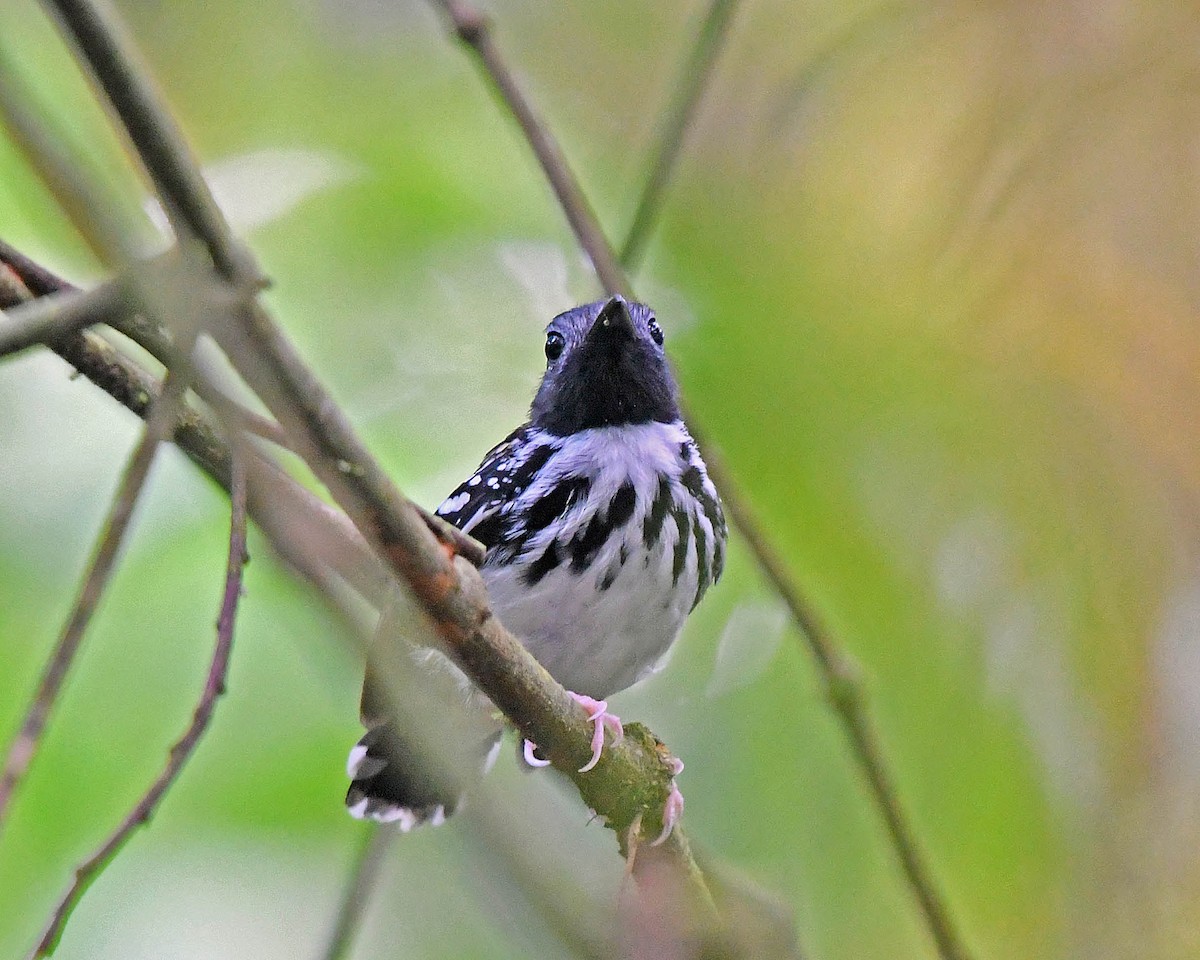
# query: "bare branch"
{"type": "Point", "coordinates": [693, 77]}
{"type": "Point", "coordinates": [214, 686]}
{"type": "Point", "coordinates": [25, 744]}
{"type": "Point", "coordinates": [840, 676]}
{"type": "Point", "coordinates": [364, 874]}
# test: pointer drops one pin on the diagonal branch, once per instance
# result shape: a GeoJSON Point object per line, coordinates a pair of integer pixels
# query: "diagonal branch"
{"type": "Point", "coordinates": [182, 751]}
{"type": "Point", "coordinates": [836, 668]}
{"type": "Point", "coordinates": [693, 78]}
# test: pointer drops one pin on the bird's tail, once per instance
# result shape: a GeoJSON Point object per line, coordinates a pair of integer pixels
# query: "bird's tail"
{"type": "Point", "coordinates": [389, 783]}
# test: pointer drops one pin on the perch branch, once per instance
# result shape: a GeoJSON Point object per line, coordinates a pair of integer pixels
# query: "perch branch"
{"type": "Point", "coordinates": [182, 751]}
{"type": "Point", "coordinates": [840, 676]}
{"type": "Point", "coordinates": [679, 115]}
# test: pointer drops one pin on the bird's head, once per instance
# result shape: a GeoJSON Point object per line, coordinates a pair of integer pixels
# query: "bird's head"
{"type": "Point", "coordinates": [605, 366]}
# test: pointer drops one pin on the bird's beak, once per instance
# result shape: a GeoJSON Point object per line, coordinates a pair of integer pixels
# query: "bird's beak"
{"type": "Point", "coordinates": [613, 324]}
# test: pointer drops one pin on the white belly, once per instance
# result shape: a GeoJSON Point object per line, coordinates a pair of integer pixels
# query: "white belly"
{"type": "Point", "coordinates": [597, 641]}
{"type": "Point", "coordinates": [582, 590]}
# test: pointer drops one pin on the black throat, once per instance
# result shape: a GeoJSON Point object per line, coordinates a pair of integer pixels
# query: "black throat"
{"type": "Point", "coordinates": [612, 375]}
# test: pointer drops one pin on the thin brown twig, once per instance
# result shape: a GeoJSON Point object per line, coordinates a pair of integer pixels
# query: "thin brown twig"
{"type": "Point", "coordinates": [21, 752]}
{"type": "Point", "coordinates": [364, 874]}
{"type": "Point", "coordinates": [474, 29]}
{"type": "Point", "coordinates": [679, 115]}
{"type": "Point", "coordinates": [837, 669]}
{"type": "Point", "coordinates": [181, 752]}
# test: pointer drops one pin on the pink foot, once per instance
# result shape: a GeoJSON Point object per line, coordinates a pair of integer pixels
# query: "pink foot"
{"type": "Point", "coordinates": [601, 719]}
{"type": "Point", "coordinates": [672, 811]}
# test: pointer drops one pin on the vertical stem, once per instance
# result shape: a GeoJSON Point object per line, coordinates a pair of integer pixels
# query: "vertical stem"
{"type": "Point", "coordinates": [364, 875]}
{"type": "Point", "coordinates": [693, 78]}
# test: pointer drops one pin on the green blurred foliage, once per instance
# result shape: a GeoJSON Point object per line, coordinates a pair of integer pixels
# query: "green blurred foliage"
{"type": "Point", "coordinates": [928, 274]}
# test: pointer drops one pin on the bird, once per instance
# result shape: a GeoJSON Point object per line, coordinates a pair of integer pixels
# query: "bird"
{"type": "Point", "coordinates": [603, 531]}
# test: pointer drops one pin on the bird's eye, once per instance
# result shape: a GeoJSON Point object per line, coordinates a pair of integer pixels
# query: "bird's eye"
{"type": "Point", "coordinates": [656, 333]}
{"type": "Point", "coordinates": [554, 345]}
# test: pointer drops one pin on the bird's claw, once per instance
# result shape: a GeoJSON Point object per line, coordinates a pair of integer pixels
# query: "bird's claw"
{"type": "Point", "coordinates": [601, 719]}
{"type": "Point", "coordinates": [672, 811]}
{"type": "Point", "coordinates": [531, 756]}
